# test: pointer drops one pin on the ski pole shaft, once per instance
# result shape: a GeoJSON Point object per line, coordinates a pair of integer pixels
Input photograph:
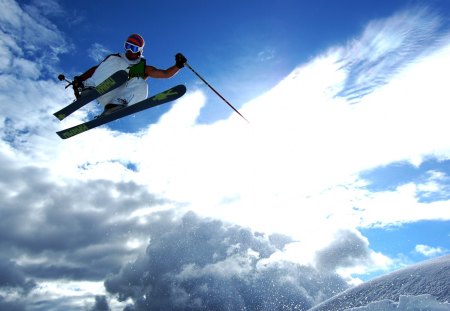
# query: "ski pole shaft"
{"type": "Point", "coordinates": [214, 90]}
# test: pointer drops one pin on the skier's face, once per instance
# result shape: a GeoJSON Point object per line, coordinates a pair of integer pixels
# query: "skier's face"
{"type": "Point", "coordinates": [132, 56]}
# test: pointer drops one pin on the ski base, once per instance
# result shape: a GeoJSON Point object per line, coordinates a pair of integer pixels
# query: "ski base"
{"type": "Point", "coordinates": [156, 100]}
{"type": "Point", "coordinates": [111, 83]}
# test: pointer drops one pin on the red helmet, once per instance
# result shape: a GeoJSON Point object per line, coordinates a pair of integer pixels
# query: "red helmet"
{"type": "Point", "coordinates": [135, 43]}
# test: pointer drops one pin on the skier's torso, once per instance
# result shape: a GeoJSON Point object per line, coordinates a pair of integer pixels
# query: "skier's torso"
{"type": "Point", "coordinates": [116, 62]}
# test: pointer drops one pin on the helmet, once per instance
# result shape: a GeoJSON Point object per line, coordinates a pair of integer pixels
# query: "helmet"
{"type": "Point", "coordinates": [135, 43]}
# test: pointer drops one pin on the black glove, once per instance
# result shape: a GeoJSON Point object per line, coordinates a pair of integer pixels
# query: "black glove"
{"type": "Point", "coordinates": [77, 85]}
{"type": "Point", "coordinates": [180, 60]}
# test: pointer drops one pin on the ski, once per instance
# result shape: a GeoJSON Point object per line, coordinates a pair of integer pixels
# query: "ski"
{"type": "Point", "coordinates": [111, 83]}
{"type": "Point", "coordinates": [158, 99]}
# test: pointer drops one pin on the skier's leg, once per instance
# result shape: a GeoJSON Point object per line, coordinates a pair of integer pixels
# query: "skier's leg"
{"type": "Point", "coordinates": [132, 92]}
{"type": "Point", "coordinates": [107, 68]}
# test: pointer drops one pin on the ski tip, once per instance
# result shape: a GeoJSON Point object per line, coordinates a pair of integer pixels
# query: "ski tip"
{"type": "Point", "coordinates": [60, 136]}
{"type": "Point", "coordinates": [67, 133]}
{"type": "Point", "coordinates": [59, 116]}
{"type": "Point", "coordinates": [181, 88]}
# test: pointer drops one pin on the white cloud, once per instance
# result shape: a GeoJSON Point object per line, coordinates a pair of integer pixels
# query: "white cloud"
{"type": "Point", "coordinates": [296, 164]}
{"type": "Point", "coordinates": [98, 52]}
{"type": "Point", "coordinates": [29, 27]}
{"type": "Point", "coordinates": [226, 270]}
{"type": "Point", "coordinates": [266, 55]}
{"type": "Point", "coordinates": [50, 7]}
{"type": "Point", "coordinates": [293, 170]}
{"type": "Point", "coordinates": [429, 251]}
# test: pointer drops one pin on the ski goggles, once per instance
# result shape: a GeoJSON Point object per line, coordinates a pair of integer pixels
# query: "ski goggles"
{"type": "Point", "coordinates": [133, 48]}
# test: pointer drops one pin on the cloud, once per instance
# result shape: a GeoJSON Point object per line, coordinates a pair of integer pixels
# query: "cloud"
{"type": "Point", "coordinates": [15, 285]}
{"type": "Point", "coordinates": [62, 236]}
{"type": "Point", "coordinates": [205, 264]}
{"type": "Point", "coordinates": [98, 52]}
{"type": "Point", "coordinates": [25, 29]}
{"type": "Point", "coordinates": [266, 55]}
{"type": "Point", "coordinates": [11, 276]}
{"type": "Point", "coordinates": [69, 241]}
{"type": "Point", "coordinates": [11, 305]}
{"type": "Point", "coordinates": [435, 187]}
{"type": "Point", "coordinates": [429, 251]}
{"type": "Point", "coordinates": [51, 212]}
{"type": "Point", "coordinates": [75, 211]}
{"type": "Point", "coordinates": [348, 249]}
{"type": "Point", "coordinates": [51, 8]}
{"type": "Point", "coordinates": [101, 304]}
{"type": "Point", "coordinates": [385, 48]}
{"type": "Point", "coordinates": [306, 146]}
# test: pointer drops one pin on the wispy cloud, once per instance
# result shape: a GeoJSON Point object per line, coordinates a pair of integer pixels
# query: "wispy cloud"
{"type": "Point", "coordinates": [98, 52]}
{"type": "Point", "coordinates": [436, 187]}
{"type": "Point", "coordinates": [429, 251]}
{"type": "Point", "coordinates": [385, 48]}
{"type": "Point", "coordinates": [266, 55]}
{"type": "Point", "coordinates": [30, 36]}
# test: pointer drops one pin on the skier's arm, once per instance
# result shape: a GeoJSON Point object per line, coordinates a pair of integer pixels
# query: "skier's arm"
{"type": "Point", "coordinates": [77, 83]}
{"type": "Point", "coordinates": [86, 75]}
{"type": "Point", "coordinates": [153, 72]}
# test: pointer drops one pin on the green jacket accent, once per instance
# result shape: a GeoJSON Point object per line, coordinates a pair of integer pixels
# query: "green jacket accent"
{"type": "Point", "coordinates": [138, 70]}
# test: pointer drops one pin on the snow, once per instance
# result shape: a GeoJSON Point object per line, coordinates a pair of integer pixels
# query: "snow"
{"type": "Point", "coordinates": [406, 303]}
{"type": "Point", "coordinates": [424, 286]}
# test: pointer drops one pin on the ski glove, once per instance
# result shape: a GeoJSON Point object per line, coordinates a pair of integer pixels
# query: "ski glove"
{"type": "Point", "coordinates": [77, 82]}
{"type": "Point", "coordinates": [77, 86]}
{"type": "Point", "coordinates": [180, 60]}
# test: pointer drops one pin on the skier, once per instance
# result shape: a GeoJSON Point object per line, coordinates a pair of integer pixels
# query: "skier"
{"type": "Point", "coordinates": [136, 88]}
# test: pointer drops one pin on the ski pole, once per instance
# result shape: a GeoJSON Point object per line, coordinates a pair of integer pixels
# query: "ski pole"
{"type": "Point", "coordinates": [76, 91]}
{"type": "Point", "coordinates": [214, 90]}
{"type": "Point", "coordinates": [63, 78]}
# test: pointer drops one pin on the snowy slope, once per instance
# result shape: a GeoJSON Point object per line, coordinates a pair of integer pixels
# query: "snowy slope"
{"type": "Point", "coordinates": [399, 290]}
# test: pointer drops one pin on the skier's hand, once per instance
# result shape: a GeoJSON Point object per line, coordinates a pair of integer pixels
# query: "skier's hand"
{"type": "Point", "coordinates": [77, 86]}
{"type": "Point", "coordinates": [180, 60]}
{"type": "Point", "coordinates": [77, 83]}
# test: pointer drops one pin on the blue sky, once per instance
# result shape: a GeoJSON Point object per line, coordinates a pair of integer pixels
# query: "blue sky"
{"type": "Point", "coordinates": [342, 174]}
{"type": "Point", "coordinates": [259, 48]}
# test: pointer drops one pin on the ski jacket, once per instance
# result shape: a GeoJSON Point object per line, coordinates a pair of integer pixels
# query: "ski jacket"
{"type": "Point", "coordinates": [135, 68]}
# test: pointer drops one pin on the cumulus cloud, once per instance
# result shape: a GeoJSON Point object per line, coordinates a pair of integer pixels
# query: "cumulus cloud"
{"type": "Point", "coordinates": [195, 263]}
{"type": "Point", "coordinates": [74, 210]}
{"type": "Point", "coordinates": [84, 221]}
{"type": "Point", "coordinates": [347, 250]}
{"type": "Point", "coordinates": [11, 276]}
{"type": "Point", "coordinates": [11, 305]}
{"type": "Point", "coordinates": [15, 285]}
{"type": "Point", "coordinates": [53, 233]}
{"type": "Point", "coordinates": [101, 304]}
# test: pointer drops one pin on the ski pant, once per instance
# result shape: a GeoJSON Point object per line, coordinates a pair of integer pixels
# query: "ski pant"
{"type": "Point", "coordinates": [133, 91]}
